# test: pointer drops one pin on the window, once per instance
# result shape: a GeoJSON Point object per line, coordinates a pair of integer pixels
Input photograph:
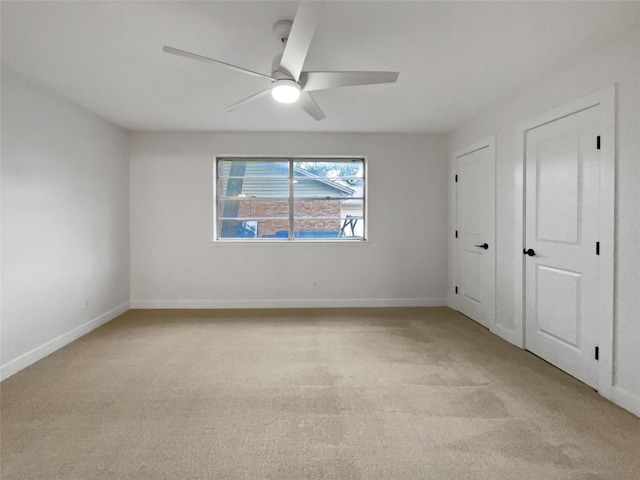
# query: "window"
{"type": "Point", "coordinates": [290, 199]}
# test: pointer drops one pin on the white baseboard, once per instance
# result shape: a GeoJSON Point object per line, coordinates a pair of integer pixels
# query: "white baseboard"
{"type": "Point", "coordinates": [626, 400]}
{"type": "Point", "coordinates": [304, 303]}
{"type": "Point", "coordinates": [451, 303]}
{"type": "Point", "coordinates": [29, 358]}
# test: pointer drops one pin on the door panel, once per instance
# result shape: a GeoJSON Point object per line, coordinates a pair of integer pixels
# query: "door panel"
{"type": "Point", "coordinates": [475, 224]}
{"type": "Point", "coordinates": [471, 285]}
{"type": "Point", "coordinates": [561, 226]}
{"type": "Point", "coordinates": [558, 190]}
{"type": "Point", "coordinates": [558, 304]}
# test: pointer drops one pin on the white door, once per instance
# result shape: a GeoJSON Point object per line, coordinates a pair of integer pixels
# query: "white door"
{"type": "Point", "coordinates": [475, 229]}
{"type": "Point", "coordinates": [561, 230]}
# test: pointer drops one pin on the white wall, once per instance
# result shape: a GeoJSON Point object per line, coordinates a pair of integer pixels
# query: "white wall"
{"type": "Point", "coordinates": [65, 222]}
{"type": "Point", "coordinates": [617, 63]}
{"type": "Point", "coordinates": [175, 264]}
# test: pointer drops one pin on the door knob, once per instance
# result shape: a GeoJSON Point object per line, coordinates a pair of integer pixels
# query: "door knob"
{"type": "Point", "coordinates": [531, 252]}
{"type": "Point", "coordinates": [484, 245]}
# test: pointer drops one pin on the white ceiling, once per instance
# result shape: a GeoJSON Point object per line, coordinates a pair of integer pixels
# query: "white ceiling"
{"type": "Point", "coordinates": [456, 59]}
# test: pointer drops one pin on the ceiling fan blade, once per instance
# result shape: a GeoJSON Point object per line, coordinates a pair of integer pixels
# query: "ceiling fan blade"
{"type": "Point", "coordinates": [195, 56]}
{"type": "Point", "coordinates": [249, 99]}
{"type": "Point", "coordinates": [297, 46]}
{"type": "Point", "coordinates": [323, 80]}
{"type": "Point", "coordinates": [310, 106]}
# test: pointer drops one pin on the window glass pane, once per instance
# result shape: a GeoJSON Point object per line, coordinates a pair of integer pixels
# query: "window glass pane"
{"type": "Point", "coordinates": [316, 208]}
{"type": "Point", "coordinates": [253, 228]}
{"type": "Point", "coordinates": [335, 170]}
{"type": "Point", "coordinates": [328, 228]}
{"type": "Point", "coordinates": [253, 168]}
{"type": "Point", "coordinates": [317, 228]}
{"type": "Point", "coordinates": [273, 229]}
{"type": "Point", "coordinates": [324, 218]}
{"type": "Point", "coordinates": [322, 188]}
{"type": "Point", "coordinates": [249, 208]}
{"type": "Point", "coordinates": [237, 228]}
{"type": "Point", "coordinates": [253, 199]}
{"type": "Point", "coordinates": [328, 179]}
{"type": "Point", "coordinates": [253, 187]}
{"type": "Point", "coordinates": [352, 226]}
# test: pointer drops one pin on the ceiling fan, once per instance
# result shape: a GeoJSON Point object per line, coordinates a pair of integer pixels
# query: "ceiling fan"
{"type": "Point", "coordinates": [289, 83]}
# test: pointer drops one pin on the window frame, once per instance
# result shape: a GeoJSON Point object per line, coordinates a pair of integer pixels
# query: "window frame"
{"type": "Point", "coordinates": [291, 198]}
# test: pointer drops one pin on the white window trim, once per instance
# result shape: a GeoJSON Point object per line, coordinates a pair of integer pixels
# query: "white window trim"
{"type": "Point", "coordinates": [290, 241]}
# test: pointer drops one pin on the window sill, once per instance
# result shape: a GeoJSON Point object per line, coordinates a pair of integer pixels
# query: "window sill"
{"type": "Point", "coordinates": [288, 243]}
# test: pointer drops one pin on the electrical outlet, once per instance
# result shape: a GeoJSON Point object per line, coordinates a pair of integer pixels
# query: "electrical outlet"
{"type": "Point", "coordinates": [315, 284]}
{"type": "Point", "coordinates": [86, 303]}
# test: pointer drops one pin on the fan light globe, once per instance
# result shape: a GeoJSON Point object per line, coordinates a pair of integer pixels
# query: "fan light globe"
{"type": "Point", "coordinates": [285, 91]}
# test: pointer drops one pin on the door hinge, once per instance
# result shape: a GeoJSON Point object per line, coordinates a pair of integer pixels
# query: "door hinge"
{"type": "Point", "coordinates": [456, 233]}
{"type": "Point", "coordinates": [598, 142]}
{"type": "Point", "coordinates": [597, 248]}
{"type": "Point", "coordinates": [456, 178]}
{"type": "Point", "coordinates": [597, 353]}
{"type": "Point", "coordinates": [456, 290]}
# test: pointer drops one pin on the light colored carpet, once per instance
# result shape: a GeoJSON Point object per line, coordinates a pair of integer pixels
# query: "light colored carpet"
{"type": "Point", "coordinates": [406, 393]}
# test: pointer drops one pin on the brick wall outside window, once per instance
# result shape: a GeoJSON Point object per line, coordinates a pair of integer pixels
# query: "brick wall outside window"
{"type": "Point", "coordinates": [304, 208]}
